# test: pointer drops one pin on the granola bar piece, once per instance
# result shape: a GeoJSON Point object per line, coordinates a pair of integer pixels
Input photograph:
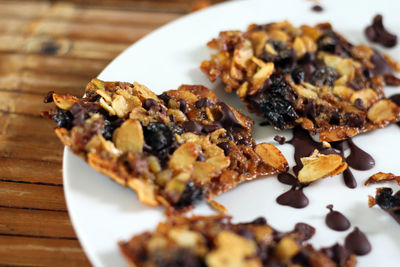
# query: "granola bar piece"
{"type": "Point", "coordinates": [215, 242]}
{"type": "Point", "coordinates": [308, 76]}
{"type": "Point", "coordinates": [173, 149]}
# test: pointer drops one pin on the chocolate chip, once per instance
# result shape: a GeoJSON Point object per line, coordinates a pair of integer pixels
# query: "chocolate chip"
{"type": "Point", "coordinates": [164, 97]}
{"type": "Point", "coordinates": [228, 119]}
{"type": "Point", "coordinates": [359, 104]}
{"type": "Point", "coordinates": [317, 8]}
{"type": "Point", "coordinates": [210, 128]}
{"type": "Point", "coordinates": [353, 120]}
{"type": "Point", "coordinates": [183, 106]}
{"type": "Point", "coordinates": [192, 126]}
{"type": "Point", "coordinates": [225, 146]}
{"type": "Point", "coordinates": [204, 102]}
{"type": "Point", "coordinates": [280, 139]}
{"type": "Point", "coordinates": [48, 97]}
{"type": "Point", "coordinates": [378, 34]}
{"type": "Point", "coordinates": [380, 64]}
{"type": "Point", "coordinates": [148, 103]}
{"type": "Point", "coordinates": [81, 110]}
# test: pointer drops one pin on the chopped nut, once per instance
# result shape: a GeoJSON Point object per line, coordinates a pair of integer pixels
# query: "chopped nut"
{"type": "Point", "coordinates": [261, 75]}
{"type": "Point", "coordinates": [305, 92]}
{"type": "Point", "coordinates": [186, 238]}
{"type": "Point", "coordinates": [105, 95]}
{"type": "Point", "coordinates": [184, 157]}
{"type": "Point", "coordinates": [299, 47]}
{"type": "Point", "coordinates": [120, 106]}
{"type": "Point", "coordinates": [64, 102]}
{"type": "Point", "coordinates": [203, 172]}
{"type": "Point", "coordinates": [337, 133]}
{"type": "Point", "coordinates": [154, 164]}
{"type": "Point", "coordinates": [382, 177]}
{"type": "Point", "coordinates": [227, 255]}
{"type": "Point", "coordinates": [320, 166]}
{"type": "Point", "coordinates": [143, 92]}
{"type": "Point", "coordinates": [383, 110]}
{"type": "Point", "coordinates": [107, 107]}
{"type": "Point", "coordinates": [129, 137]}
{"type": "Point", "coordinates": [368, 97]}
{"type": "Point", "coordinates": [272, 156]}
{"type": "Point", "coordinates": [242, 91]}
{"type": "Point", "coordinates": [343, 92]}
{"type": "Point", "coordinates": [145, 191]}
{"type": "Point", "coordinates": [286, 249]}
{"type": "Point", "coordinates": [220, 162]}
{"type": "Point", "coordinates": [177, 114]}
{"type": "Point", "coordinates": [217, 206]}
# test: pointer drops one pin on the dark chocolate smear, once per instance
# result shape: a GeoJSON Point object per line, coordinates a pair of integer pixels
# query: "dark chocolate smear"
{"type": "Point", "coordinates": [304, 146]}
{"type": "Point", "coordinates": [349, 179]}
{"type": "Point", "coordinates": [192, 126]}
{"type": "Point", "coordinates": [380, 64]}
{"type": "Point", "coordinates": [294, 198]}
{"type": "Point", "coordinates": [228, 119]}
{"type": "Point", "coordinates": [204, 102]}
{"type": "Point", "coordinates": [378, 34]}
{"type": "Point", "coordinates": [357, 242]}
{"type": "Point", "coordinates": [358, 158]}
{"type": "Point", "coordinates": [287, 178]}
{"type": "Point", "coordinates": [225, 146]}
{"type": "Point", "coordinates": [336, 220]}
{"type": "Point", "coordinates": [338, 253]}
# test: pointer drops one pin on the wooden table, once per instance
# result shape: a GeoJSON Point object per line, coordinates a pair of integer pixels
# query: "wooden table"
{"type": "Point", "coordinates": [60, 46]}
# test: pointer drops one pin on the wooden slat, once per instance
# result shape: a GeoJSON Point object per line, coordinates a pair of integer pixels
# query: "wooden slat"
{"type": "Point", "coordinates": [41, 252]}
{"type": "Point", "coordinates": [78, 13]}
{"type": "Point", "coordinates": [85, 49]}
{"type": "Point", "coordinates": [51, 64]}
{"type": "Point", "coordinates": [28, 170]}
{"type": "Point", "coordinates": [22, 103]}
{"type": "Point", "coordinates": [30, 223]}
{"type": "Point", "coordinates": [33, 196]}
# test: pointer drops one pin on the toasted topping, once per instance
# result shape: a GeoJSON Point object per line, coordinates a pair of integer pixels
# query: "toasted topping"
{"type": "Point", "coordinates": [383, 111]}
{"type": "Point", "coordinates": [272, 156]}
{"type": "Point", "coordinates": [129, 137]}
{"type": "Point", "coordinates": [64, 102]}
{"type": "Point", "coordinates": [320, 166]}
{"type": "Point", "coordinates": [382, 177]}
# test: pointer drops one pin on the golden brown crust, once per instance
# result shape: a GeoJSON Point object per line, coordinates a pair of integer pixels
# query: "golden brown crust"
{"type": "Point", "coordinates": [173, 149]}
{"type": "Point", "coordinates": [308, 76]}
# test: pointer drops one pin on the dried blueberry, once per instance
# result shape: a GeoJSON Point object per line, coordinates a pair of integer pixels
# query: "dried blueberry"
{"type": "Point", "coordinates": [386, 201]}
{"type": "Point", "coordinates": [325, 76]}
{"type": "Point", "coordinates": [110, 124]}
{"type": "Point", "coordinates": [328, 42]}
{"type": "Point", "coordinates": [277, 103]}
{"type": "Point", "coordinates": [298, 75]}
{"type": "Point", "coordinates": [285, 56]}
{"type": "Point", "coordinates": [160, 138]}
{"type": "Point", "coordinates": [191, 195]}
{"type": "Point", "coordinates": [63, 118]}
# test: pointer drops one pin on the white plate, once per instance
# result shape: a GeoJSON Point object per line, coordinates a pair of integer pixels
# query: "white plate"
{"type": "Point", "coordinates": [104, 213]}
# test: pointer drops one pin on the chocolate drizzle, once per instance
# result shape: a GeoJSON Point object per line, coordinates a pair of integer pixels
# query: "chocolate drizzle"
{"type": "Point", "coordinates": [304, 146]}
{"type": "Point", "coordinates": [336, 220]}
{"type": "Point", "coordinates": [294, 198]}
{"type": "Point", "coordinates": [359, 159]}
{"type": "Point", "coordinates": [357, 243]}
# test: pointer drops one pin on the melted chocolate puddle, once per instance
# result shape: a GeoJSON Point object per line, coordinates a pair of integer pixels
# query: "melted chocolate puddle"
{"type": "Point", "coordinates": [357, 242]}
{"type": "Point", "coordinates": [294, 198]}
{"type": "Point", "coordinates": [336, 220]}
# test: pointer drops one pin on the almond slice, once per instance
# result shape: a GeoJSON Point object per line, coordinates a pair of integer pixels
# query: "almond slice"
{"type": "Point", "coordinates": [129, 137]}
{"type": "Point", "coordinates": [64, 102]}
{"type": "Point", "coordinates": [184, 157]}
{"type": "Point", "coordinates": [382, 177]}
{"type": "Point", "coordinates": [383, 110]}
{"type": "Point", "coordinates": [318, 167]}
{"type": "Point", "coordinates": [272, 156]}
